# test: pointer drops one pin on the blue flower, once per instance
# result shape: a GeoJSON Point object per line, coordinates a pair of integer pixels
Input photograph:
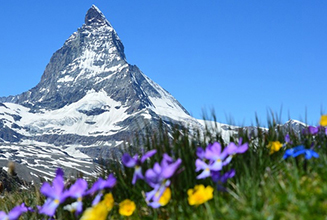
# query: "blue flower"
{"type": "Point", "coordinates": [296, 151]}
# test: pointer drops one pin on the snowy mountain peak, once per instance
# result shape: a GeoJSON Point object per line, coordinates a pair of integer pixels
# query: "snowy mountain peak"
{"type": "Point", "coordinates": [95, 16]}
{"type": "Point", "coordinates": [89, 100]}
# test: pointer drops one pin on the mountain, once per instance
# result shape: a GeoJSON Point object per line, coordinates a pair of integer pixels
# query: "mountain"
{"type": "Point", "coordinates": [89, 102]}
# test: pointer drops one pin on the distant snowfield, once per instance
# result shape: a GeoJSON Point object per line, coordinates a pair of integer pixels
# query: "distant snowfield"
{"type": "Point", "coordinates": [225, 130]}
{"type": "Point", "coordinates": [34, 159]}
{"type": "Point", "coordinates": [70, 119]}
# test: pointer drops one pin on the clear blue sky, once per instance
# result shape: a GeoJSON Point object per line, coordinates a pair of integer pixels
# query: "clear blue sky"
{"type": "Point", "coordinates": [236, 57]}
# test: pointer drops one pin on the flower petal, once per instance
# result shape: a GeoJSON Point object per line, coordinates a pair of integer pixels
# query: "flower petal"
{"type": "Point", "coordinates": [78, 188]}
{"type": "Point", "coordinates": [47, 190]}
{"type": "Point", "coordinates": [157, 168]}
{"type": "Point", "coordinates": [3, 215]}
{"type": "Point", "coordinates": [147, 155]}
{"type": "Point", "coordinates": [216, 165]}
{"type": "Point", "coordinates": [128, 161]}
{"type": "Point", "coordinates": [166, 160]}
{"type": "Point", "coordinates": [242, 148]}
{"type": "Point", "coordinates": [97, 199]}
{"type": "Point", "coordinates": [58, 185]}
{"type": "Point", "coordinates": [98, 185]}
{"type": "Point", "coordinates": [169, 170]}
{"type": "Point", "coordinates": [137, 174]}
{"type": "Point", "coordinates": [200, 152]}
{"type": "Point", "coordinates": [49, 207]}
{"type": "Point", "coordinates": [60, 172]}
{"type": "Point", "coordinates": [204, 174]}
{"type": "Point", "coordinates": [110, 182]}
{"type": "Point", "coordinates": [213, 151]}
{"type": "Point", "coordinates": [310, 153]}
{"type": "Point", "coordinates": [200, 165]}
{"type": "Point", "coordinates": [17, 211]}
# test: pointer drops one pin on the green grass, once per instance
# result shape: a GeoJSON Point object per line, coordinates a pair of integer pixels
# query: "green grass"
{"type": "Point", "coordinates": [265, 186]}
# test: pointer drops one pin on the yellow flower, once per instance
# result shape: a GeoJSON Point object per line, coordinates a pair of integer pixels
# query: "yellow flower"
{"type": "Point", "coordinates": [199, 194]}
{"type": "Point", "coordinates": [126, 207]}
{"type": "Point", "coordinates": [100, 210]}
{"type": "Point", "coordinates": [274, 146]}
{"type": "Point", "coordinates": [323, 120]}
{"type": "Point", "coordinates": [108, 201]}
{"type": "Point", "coordinates": [164, 199]}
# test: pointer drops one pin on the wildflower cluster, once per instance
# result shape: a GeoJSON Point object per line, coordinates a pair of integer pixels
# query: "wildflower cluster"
{"type": "Point", "coordinates": [212, 160]}
{"type": "Point", "coordinates": [71, 198]}
{"type": "Point", "coordinates": [158, 177]}
{"type": "Point", "coordinates": [94, 201]}
{"type": "Point", "coordinates": [310, 134]}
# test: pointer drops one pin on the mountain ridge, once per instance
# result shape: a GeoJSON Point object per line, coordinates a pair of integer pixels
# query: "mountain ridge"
{"type": "Point", "coordinates": [89, 100]}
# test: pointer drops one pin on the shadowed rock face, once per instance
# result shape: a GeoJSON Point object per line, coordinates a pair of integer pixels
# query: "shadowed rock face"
{"type": "Point", "coordinates": [94, 16]}
{"type": "Point", "coordinates": [10, 182]}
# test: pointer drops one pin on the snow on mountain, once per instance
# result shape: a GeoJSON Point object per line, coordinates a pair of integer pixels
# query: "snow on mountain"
{"type": "Point", "coordinates": [89, 102]}
{"type": "Point", "coordinates": [225, 130]}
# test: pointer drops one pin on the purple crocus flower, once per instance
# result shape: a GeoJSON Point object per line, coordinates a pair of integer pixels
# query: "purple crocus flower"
{"type": "Point", "coordinates": [233, 149]}
{"type": "Point", "coordinates": [55, 193]}
{"type": "Point", "coordinates": [220, 179]}
{"type": "Point", "coordinates": [217, 177]}
{"type": "Point", "coordinates": [313, 130]}
{"type": "Point", "coordinates": [152, 197]}
{"type": "Point", "coordinates": [288, 139]}
{"type": "Point", "coordinates": [136, 162]}
{"type": "Point", "coordinates": [77, 191]}
{"type": "Point", "coordinates": [162, 172]}
{"type": "Point", "coordinates": [100, 185]}
{"type": "Point", "coordinates": [159, 178]}
{"type": "Point", "coordinates": [296, 151]}
{"type": "Point", "coordinates": [214, 154]}
{"type": "Point", "coordinates": [15, 213]}
{"type": "Point", "coordinates": [200, 153]}
{"type": "Point", "coordinates": [216, 160]}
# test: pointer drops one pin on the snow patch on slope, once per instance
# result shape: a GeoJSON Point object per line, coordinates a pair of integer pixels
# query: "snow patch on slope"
{"type": "Point", "coordinates": [71, 119]}
{"type": "Point", "coordinates": [166, 105]}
